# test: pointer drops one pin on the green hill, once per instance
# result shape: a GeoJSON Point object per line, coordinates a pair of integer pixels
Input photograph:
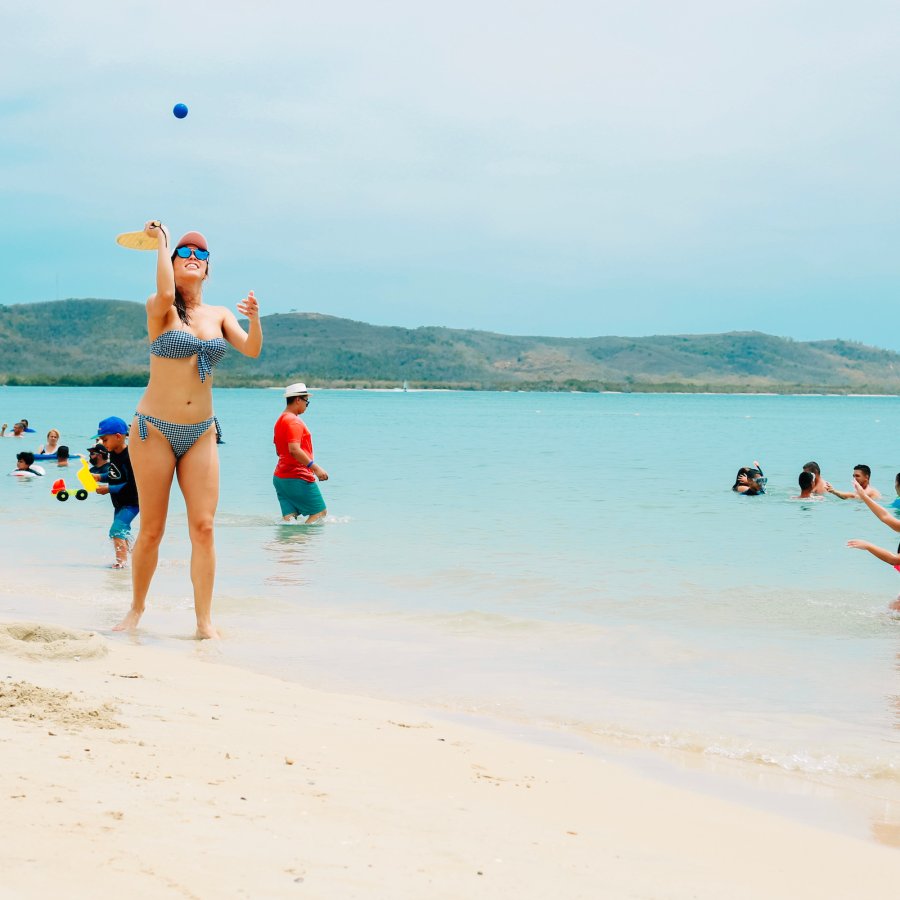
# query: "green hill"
{"type": "Point", "coordinates": [104, 342]}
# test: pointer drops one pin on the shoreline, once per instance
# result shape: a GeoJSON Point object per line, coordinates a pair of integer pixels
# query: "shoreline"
{"type": "Point", "coordinates": [840, 806]}
{"type": "Point", "coordinates": [141, 770]}
{"type": "Point", "coordinates": [683, 391]}
{"type": "Point", "coordinates": [852, 806]}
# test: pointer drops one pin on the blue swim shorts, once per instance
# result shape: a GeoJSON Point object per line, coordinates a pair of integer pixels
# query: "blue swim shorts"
{"type": "Point", "coordinates": [121, 524]}
{"type": "Point", "coordinates": [298, 497]}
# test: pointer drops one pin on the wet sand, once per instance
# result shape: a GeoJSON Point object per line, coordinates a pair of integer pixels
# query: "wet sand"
{"type": "Point", "coordinates": [129, 769]}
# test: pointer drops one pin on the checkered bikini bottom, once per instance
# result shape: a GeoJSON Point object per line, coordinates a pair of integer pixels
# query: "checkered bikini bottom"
{"type": "Point", "coordinates": [181, 437]}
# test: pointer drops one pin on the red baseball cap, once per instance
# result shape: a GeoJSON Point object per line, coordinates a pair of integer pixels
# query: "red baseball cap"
{"type": "Point", "coordinates": [193, 237]}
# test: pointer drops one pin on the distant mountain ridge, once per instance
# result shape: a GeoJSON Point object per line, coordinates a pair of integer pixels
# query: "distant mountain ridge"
{"type": "Point", "coordinates": [104, 342]}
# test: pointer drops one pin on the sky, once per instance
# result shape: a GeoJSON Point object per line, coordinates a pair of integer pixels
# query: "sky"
{"type": "Point", "coordinates": [547, 168]}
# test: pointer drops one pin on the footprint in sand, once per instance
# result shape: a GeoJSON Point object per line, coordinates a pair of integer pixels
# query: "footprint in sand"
{"type": "Point", "coordinates": [49, 641]}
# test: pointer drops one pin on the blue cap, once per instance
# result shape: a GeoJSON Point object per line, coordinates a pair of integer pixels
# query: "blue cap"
{"type": "Point", "coordinates": [112, 425]}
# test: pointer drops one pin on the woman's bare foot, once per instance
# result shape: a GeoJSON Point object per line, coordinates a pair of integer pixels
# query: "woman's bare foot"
{"type": "Point", "coordinates": [207, 632]}
{"type": "Point", "coordinates": [895, 605]}
{"type": "Point", "coordinates": [130, 622]}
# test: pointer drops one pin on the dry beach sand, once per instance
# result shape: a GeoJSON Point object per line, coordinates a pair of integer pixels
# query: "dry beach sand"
{"type": "Point", "coordinates": [132, 771]}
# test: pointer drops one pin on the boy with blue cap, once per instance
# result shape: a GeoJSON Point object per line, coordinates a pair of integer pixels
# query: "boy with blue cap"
{"type": "Point", "coordinates": [118, 481]}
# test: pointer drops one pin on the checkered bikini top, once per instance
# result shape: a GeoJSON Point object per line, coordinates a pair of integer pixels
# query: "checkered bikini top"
{"type": "Point", "coordinates": [176, 344]}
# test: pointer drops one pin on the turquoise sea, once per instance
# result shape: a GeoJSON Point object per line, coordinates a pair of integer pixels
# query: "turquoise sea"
{"type": "Point", "coordinates": [573, 565]}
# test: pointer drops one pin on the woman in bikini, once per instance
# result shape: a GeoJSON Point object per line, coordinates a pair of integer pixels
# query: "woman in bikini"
{"type": "Point", "coordinates": [174, 432]}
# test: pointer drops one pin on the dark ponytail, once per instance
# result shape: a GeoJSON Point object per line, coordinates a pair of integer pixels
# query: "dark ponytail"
{"type": "Point", "coordinates": [181, 309]}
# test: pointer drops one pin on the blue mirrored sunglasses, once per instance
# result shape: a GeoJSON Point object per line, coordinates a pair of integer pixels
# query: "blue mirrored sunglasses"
{"type": "Point", "coordinates": [185, 253]}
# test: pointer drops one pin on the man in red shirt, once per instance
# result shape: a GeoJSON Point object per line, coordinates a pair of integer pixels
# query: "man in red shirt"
{"type": "Point", "coordinates": [296, 473]}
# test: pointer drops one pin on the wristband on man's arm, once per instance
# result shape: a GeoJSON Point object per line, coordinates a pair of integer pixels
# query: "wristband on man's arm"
{"type": "Point", "coordinates": [309, 465]}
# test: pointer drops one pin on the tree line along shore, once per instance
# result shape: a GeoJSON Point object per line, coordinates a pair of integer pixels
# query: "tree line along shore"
{"type": "Point", "coordinates": [94, 342]}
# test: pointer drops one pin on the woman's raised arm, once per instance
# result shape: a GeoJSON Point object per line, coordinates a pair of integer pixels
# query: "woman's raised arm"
{"type": "Point", "coordinates": [161, 302]}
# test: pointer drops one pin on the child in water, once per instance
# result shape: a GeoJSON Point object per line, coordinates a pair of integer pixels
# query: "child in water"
{"type": "Point", "coordinates": [25, 466]}
{"type": "Point", "coordinates": [118, 482]}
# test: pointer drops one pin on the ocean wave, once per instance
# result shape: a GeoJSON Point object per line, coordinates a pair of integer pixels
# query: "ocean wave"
{"type": "Point", "coordinates": [842, 763]}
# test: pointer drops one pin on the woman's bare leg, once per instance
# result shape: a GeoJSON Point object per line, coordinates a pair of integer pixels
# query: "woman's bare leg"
{"type": "Point", "coordinates": [198, 478]}
{"type": "Point", "coordinates": [154, 465]}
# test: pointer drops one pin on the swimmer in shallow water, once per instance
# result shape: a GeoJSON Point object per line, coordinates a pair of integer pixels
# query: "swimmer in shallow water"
{"type": "Point", "coordinates": [861, 477]}
{"type": "Point", "coordinates": [18, 430]}
{"type": "Point", "coordinates": [52, 442]}
{"type": "Point", "coordinates": [806, 481]}
{"type": "Point", "coordinates": [820, 484]}
{"type": "Point", "coordinates": [25, 466]}
{"type": "Point", "coordinates": [749, 481]}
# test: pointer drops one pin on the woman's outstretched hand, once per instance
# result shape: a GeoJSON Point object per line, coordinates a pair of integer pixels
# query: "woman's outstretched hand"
{"type": "Point", "coordinates": [157, 230]}
{"type": "Point", "coordinates": [249, 306]}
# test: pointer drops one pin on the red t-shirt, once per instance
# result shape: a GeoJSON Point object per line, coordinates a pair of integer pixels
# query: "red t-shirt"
{"type": "Point", "coordinates": [290, 430]}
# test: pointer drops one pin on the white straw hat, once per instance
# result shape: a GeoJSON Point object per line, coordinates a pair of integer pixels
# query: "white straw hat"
{"type": "Point", "coordinates": [295, 390]}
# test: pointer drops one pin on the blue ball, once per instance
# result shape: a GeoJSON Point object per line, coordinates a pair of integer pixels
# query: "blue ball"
{"type": "Point", "coordinates": [179, 110]}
